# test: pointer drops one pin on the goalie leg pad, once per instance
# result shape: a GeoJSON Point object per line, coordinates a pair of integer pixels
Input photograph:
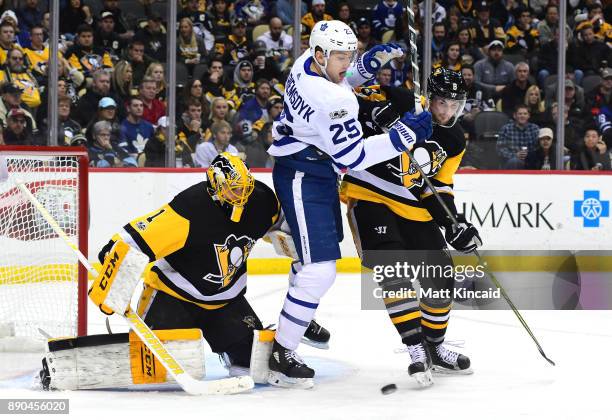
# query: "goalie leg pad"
{"type": "Point", "coordinates": [113, 289]}
{"type": "Point", "coordinates": [260, 355]}
{"type": "Point", "coordinates": [118, 360]}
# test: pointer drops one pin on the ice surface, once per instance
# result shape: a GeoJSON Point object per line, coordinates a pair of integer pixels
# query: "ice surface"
{"type": "Point", "coordinates": [511, 380]}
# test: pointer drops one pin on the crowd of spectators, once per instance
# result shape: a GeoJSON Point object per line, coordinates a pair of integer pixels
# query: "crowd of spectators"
{"type": "Point", "coordinates": [233, 57]}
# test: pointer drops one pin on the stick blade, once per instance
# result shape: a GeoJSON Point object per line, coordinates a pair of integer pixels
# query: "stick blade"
{"type": "Point", "coordinates": [226, 386]}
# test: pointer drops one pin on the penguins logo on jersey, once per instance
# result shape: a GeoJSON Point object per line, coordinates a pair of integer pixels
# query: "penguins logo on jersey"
{"type": "Point", "coordinates": [230, 256]}
{"type": "Point", "coordinates": [429, 156]}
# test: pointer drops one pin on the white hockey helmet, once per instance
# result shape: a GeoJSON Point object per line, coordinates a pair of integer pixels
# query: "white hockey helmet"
{"type": "Point", "coordinates": [332, 35]}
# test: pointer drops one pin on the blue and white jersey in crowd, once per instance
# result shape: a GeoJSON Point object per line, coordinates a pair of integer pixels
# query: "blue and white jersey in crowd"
{"type": "Point", "coordinates": [319, 124]}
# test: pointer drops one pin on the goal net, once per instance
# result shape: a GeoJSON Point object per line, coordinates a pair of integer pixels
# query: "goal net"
{"type": "Point", "coordinates": [42, 286]}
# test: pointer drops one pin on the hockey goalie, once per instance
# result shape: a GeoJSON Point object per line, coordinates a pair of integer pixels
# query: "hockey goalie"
{"type": "Point", "coordinates": [197, 246]}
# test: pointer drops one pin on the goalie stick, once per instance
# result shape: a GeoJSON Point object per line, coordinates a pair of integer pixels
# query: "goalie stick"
{"type": "Point", "coordinates": [418, 109]}
{"type": "Point", "coordinates": [189, 384]}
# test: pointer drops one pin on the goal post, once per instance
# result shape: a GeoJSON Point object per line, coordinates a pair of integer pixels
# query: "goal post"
{"type": "Point", "coordinates": [42, 285]}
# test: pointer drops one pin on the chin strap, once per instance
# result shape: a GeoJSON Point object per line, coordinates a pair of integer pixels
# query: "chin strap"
{"type": "Point", "coordinates": [322, 68]}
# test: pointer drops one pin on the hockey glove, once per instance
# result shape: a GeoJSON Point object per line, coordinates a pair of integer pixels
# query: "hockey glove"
{"type": "Point", "coordinates": [375, 58]}
{"type": "Point", "coordinates": [462, 236]}
{"type": "Point", "coordinates": [411, 130]}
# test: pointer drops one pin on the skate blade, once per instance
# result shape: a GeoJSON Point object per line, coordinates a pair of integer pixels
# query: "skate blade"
{"type": "Point", "coordinates": [424, 379]}
{"type": "Point", "coordinates": [442, 371]}
{"type": "Point", "coordinates": [283, 381]}
{"type": "Point", "coordinates": [315, 344]}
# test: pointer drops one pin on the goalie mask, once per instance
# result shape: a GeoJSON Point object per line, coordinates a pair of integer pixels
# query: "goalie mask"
{"type": "Point", "coordinates": [447, 95]}
{"type": "Point", "coordinates": [230, 183]}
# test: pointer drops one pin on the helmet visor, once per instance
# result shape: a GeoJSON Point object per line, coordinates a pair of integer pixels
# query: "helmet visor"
{"type": "Point", "coordinates": [446, 111]}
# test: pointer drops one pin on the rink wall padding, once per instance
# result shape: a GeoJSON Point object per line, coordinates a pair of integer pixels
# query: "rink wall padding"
{"type": "Point", "coordinates": [523, 210]}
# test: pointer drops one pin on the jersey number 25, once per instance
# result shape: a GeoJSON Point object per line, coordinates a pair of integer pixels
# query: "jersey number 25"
{"type": "Point", "coordinates": [349, 126]}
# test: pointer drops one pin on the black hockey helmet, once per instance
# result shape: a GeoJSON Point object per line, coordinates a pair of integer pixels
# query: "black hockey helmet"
{"type": "Point", "coordinates": [446, 84]}
{"type": "Point", "coordinates": [449, 86]}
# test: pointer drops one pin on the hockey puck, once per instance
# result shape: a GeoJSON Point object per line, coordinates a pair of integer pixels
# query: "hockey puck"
{"type": "Point", "coordinates": [388, 389]}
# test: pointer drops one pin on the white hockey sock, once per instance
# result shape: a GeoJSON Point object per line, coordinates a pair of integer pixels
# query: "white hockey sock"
{"type": "Point", "coordinates": [308, 286]}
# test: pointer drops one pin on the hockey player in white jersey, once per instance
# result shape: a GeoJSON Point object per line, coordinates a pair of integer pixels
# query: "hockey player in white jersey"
{"type": "Point", "coordinates": [318, 134]}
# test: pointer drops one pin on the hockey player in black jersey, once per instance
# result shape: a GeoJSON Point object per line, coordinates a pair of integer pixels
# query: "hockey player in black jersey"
{"type": "Point", "coordinates": [393, 194]}
{"type": "Point", "coordinates": [199, 244]}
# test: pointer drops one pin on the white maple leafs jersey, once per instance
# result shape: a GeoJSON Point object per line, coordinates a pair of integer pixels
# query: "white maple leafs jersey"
{"type": "Point", "coordinates": [323, 114]}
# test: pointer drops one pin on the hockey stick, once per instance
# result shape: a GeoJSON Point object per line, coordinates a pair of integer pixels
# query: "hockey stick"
{"type": "Point", "coordinates": [418, 108]}
{"type": "Point", "coordinates": [185, 380]}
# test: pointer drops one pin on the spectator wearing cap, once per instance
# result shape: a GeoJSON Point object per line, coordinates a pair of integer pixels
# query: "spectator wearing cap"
{"type": "Point", "coordinates": [543, 156]}
{"type": "Point", "coordinates": [84, 55]}
{"type": "Point", "coordinates": [364, 33]}
{"type": "Point", "coordinates": [154, 109]}
{"type": "Point", "coordinates": [190, 48]}
{"type": "Point", "coordinates": [153, 38]}
{"type": "Point", "coordinates": [7, 40]}
{"type": "Point", "coordinates": [11, 99]}
{"type": "Point", "coordinates": [522, 37]}
{"type": "Point", "coordinates": [73, 15]}
{"type": "Point", "coordinates": [587, 55]}
{"type": "Point", "coordinates": [574, 100]}
{"type": "Point", "coordinates": [68, 128]}
{"type": "Point", "coordinates": [494, 72]}
{"type": "Point", "coordinates": [550, 23]}
{"type": "Point", "coordinates": [87, 106]}
{"type": "Point", "coordinates": [22, 35]}
{"type": "Point", "coordinates": [592, 154]}
{"type": "Point", "coordinates": [16, 72]}
{"type": "Point", "coordinates": [237, 45]}
{"type": "Point", "coordinates": [242, 88]}
{"type": "Point", "coordinates": [386, 15]}
{"type": "Point", "coordinates": [16, 132]}
{"type": "Point", "coordinates": [107, 111]}
{"type": "Point", "coordinates": [106, 38]}
{"type": "Point", "coordinates": [202, 22]}
{"type": "Point", "coordinates": [516, 139]}
{"type": "Point", "coordinates": [484, 30]}
{"type": "Point", "coordinates": [256, 107]}
{"type": "Point", "coordinates": [316, 14]}
{"type": "Point", "coordinates": [121, 25]}
{"type": "Point", "coordinates": [139, 61]}
{"type": "Point", "coordinates": [135, 131]}
{"type": "Point", "coordinates": [206, 152]}
{"type": "Point", "coordinates": [514, 92]}
{"type": "Point", "coordinates": [267, 64]}
{"type": "Point", "coordinates": [573, 129]}
{"type": "Point", "coordinates": [602, 95]}
{"type": "Point", "coordinates": [221, 21]}
{"type": "Point", "coordinates": [275, 108]}
{"type": "Point", "coordinates": [275, 38]}
{"type": "Point", "coordinates": [345, 16]}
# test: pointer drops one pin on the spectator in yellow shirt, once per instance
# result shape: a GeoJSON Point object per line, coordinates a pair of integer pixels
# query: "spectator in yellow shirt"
{"type": "Point", "coordinates": [316, 14]}
{"type": "Point", "coordinates": [16, 72]}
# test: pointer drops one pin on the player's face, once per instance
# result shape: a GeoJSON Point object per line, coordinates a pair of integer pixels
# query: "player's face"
{"type": "Point", "coordinates": [337, 65]}
{"type": "Point", "coordinates": [444, 110]}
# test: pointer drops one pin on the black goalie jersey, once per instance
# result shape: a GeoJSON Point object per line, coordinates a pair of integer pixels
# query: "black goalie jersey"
{"type": "Point", "coordinates": [397, 182]}
{"type": "Point", "coordinates": [199, 254]}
